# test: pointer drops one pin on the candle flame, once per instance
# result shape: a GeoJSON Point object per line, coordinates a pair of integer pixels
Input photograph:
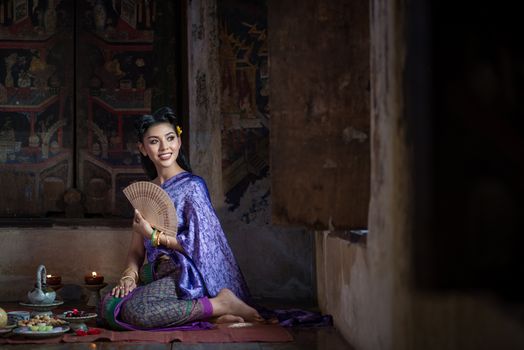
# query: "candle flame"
{"type": "Point", "coordinates": [93, 274]}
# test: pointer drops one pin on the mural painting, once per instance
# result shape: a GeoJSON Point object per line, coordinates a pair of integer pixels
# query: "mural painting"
{"type": "Point", "coordinates": [35, 105]}
{"type": "Point", "coordinates": [114, 86]}
{"type": "Point", "coordinates": [244, 95]}
{"type": "Point", "coordinates": [40, 149]}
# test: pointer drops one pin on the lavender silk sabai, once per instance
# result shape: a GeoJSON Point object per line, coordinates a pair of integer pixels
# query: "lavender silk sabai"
{"type": "Point", "coordinates": [208, 264]}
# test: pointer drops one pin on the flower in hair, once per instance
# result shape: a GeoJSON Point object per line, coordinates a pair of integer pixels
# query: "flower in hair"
{"type": "Point", "coordinates": [178, 130]}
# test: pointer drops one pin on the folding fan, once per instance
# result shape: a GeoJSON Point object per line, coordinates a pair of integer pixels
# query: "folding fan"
{"type": "Point", "coordinates": [154, 204]}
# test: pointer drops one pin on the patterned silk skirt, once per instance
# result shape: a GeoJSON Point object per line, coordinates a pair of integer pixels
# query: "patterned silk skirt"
{"type": "Point", "coordinates": [155, 305]}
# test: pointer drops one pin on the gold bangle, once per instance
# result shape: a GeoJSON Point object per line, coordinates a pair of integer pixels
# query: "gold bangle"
{"type": "Point", "coordinates": [167, 240]}
{"type": "Point", "coordinates": [157, 241]}
{"type": "Point", "coordinates": [127, 277]}
{"type": "Point", "coordinates": [129, 271]}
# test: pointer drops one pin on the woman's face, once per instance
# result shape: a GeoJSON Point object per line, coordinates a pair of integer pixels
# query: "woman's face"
{"type": "Point", "coordinates": [161, 144]}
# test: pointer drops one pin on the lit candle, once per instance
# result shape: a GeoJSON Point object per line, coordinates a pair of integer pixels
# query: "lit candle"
{"type": "Point", "coordinates": [94, 278]}
{"type": "Point", "coordinates": [53, 280]}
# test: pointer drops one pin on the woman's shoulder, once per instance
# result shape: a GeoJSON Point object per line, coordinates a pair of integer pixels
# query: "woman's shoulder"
{"type": "Point", "coordinates": [191, 181]}
{"type": "Point", "coordinates": [197, 182]}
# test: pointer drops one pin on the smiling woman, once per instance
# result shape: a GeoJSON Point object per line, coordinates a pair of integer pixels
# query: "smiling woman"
{"type": "Point", "coordinates": [191, 277]}
{"type": "Point", "coordinates": [161, 145]}
{"type": "Point", "coordinates": [159, 138]}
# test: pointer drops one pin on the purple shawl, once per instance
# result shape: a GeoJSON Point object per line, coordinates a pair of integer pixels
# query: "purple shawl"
{"type": "Point", "coordinates": [209, 264]}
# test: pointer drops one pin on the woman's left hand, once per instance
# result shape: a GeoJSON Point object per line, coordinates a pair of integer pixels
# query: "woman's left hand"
{"type": "Point", "coordinates": [124, 287]}
{"type": "Point", "coordinates": [141, 226]}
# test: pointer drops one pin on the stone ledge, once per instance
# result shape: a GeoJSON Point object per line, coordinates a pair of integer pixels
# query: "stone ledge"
{"type": "Point", "coordinates": [63, 222]}
{"type": "Point", "coordinates": [352, 236]}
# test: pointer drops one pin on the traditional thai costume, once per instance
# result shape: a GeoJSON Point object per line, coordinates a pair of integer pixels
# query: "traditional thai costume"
{"type": "Point", "coordinates": [175, 286]}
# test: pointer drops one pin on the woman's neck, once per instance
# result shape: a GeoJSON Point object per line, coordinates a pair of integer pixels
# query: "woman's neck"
{"type": "Point", "coordinates": [167, 173]}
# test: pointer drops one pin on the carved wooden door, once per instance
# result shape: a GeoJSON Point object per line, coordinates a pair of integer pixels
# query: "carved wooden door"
{"type": "Point", "coordinates": [74, 76]}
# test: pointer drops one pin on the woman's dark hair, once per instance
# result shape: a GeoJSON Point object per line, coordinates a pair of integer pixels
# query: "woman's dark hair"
{"type": "Point", "coordinates": [143, 123]}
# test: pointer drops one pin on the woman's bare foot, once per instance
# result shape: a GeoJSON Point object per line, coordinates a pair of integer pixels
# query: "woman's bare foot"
{"type": "Point", "coordinates": [227, 303]}
{"type": "Point", "coordinates": [227, 319]}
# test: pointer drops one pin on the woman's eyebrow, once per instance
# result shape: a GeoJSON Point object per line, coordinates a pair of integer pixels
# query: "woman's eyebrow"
{"type": "Point", "coordinates": [156, 137]}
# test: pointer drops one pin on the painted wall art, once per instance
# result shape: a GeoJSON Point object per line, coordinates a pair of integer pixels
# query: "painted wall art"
{"type": "Point", "coordinates": [55, 135]}
{"type": "Point", "coordinates": [244, 94]}
{"type": "Point", "coordinates": [36, 135]}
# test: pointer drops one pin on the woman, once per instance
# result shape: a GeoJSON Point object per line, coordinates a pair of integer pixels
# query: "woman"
{"type": "Point", "coordinates": [187, 278]}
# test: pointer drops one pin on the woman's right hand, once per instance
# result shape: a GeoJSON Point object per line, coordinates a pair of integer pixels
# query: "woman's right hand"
{"type": "Point", "coordinates": [141, 226]}
{"type": "Point", "coordinates": [124, 287]}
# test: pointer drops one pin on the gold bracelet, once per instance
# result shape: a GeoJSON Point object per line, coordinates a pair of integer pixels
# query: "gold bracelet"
{"type": "Point", "coordinates": [129, 271]}
{"type": "Point", "coordinates": [167, 240]}
{"type": "Point", "coordinates": [127, 277]}
{"type": "Point", "coordinates": [157, 241]}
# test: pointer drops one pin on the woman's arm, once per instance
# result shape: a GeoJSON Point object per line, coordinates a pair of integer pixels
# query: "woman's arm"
{"type": "Point", "coordinates": [170, 242]}
{"type": "Point", "coordinates": [144, 229]}
{"type": "Point", "coordinates": [135, 258]}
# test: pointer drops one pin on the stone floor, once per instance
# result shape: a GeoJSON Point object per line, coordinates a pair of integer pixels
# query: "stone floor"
{"type": "Point", "coordinates": [327, 338]}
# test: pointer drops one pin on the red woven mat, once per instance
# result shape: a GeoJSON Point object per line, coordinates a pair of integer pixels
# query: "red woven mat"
{"type": "Point", "coordinates": [221, 334]}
